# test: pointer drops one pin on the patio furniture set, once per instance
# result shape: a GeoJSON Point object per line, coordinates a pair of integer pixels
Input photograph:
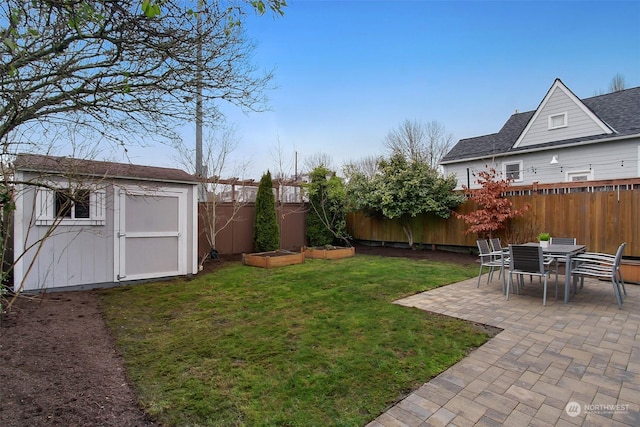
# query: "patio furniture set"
{"type": "Point", "coordinates": [531, 259]}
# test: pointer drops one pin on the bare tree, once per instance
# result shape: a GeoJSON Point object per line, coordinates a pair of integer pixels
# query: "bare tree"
{"type": "Point", "coordinates": [317, 160]}
{"type": "Point", "coordinates": [408, 139]}
{"type": "Point", "coordinates": [285, 175]}
{"type": "Point", "coordinates": [367, 166]}
{"type": "Point", "coordinates": [122, 70]}
{"type": "Point", "coordinates": [222, 182]}
{"type": "Point", "coordinates": [439, 142]}
{"type": "Point", "coordinates": [420, 142]}
{"type": "Point", "coordinates": [617, 83]}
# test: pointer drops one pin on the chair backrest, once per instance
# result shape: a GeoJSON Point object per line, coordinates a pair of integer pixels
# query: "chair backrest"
{"type": "Point", "coordinates": [496, 246]}
{"type": "Point", "coordinates": [526, 258]}
{"type": "Point", "coordinates": [619, 252]}
{"type": "Point", "coordinates": [483, 246]}
{"type": "Point", "coordinates": [563, 241]}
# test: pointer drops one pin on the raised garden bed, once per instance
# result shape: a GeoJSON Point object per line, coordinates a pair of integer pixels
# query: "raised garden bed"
{"type": "Point", "coordinates": [630, 270]}
{"type": "Point", "coordinates": [273, 259]}
{"type": "Point", "coordinates": [332, 252]}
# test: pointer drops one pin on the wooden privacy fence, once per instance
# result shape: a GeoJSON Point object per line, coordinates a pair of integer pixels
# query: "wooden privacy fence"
{"type": "Point", "coordinates": [237, 236]}
{"type": "Point", "coordinates": [600, 214]}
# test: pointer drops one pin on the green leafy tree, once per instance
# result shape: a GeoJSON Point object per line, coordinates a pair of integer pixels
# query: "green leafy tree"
{"type": "Point", "coordinates": [327, 217]}
{"type": "Point", "coordinates": [266, 236]}
{"type": "Point", "coordinates": [494, 210]}
{"type": "Point", "coordinates": [402, 189]}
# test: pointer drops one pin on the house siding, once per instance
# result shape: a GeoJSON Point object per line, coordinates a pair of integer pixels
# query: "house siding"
{"type": "Point", "coordinates": [579, 123]}
{"type": "Point", "coordinates": [611, 160]}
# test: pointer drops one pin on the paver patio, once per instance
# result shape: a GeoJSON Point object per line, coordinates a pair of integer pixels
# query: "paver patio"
{"type": "Point", "coordinates": [557, 365]}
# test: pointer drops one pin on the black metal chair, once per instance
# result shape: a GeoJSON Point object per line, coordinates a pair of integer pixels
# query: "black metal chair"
{"type": "Point", "coordinates": [528, 260]}
{"type": "Point", "coordinates": [561, 259]}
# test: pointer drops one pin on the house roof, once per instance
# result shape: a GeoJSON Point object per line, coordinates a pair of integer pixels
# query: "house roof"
{"type": "Point", "coordinates": [94, 168]}
{"type": "Point", "coordinates": [619, 110]}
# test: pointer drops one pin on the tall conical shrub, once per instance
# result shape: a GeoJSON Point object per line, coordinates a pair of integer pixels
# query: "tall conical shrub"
{"type": "Point", "coordinates": [266, 236]}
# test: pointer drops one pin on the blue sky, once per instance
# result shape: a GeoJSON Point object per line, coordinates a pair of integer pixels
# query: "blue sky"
{"type": "Point", "coordinates": [348, 72]}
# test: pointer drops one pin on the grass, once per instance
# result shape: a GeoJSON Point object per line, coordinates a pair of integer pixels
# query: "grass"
{"type": "Point", "coordinates": [316, 344]}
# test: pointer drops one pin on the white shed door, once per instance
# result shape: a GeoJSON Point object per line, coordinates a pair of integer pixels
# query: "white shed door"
{"type": "Point", "coordinates": [150, 233]}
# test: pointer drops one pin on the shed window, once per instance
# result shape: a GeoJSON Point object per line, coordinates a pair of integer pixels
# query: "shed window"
{"type": "Point", "coordinates": [67, 207]}
{"type": "Point", "coordinates": [512, 171]}
{"type": "Point", "coordinates": [558, 121]}
{"type": "Point", "coordinates": [73, 204]}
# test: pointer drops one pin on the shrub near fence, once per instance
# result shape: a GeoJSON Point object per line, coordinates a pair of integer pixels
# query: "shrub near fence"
{"type": "Point", "coordinates": [237, 237]}
{"type": "Point", "coordinates": [600, 214]}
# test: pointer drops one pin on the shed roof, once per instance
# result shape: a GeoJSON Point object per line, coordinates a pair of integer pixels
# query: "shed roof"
{"type": "Point", "coordinates": [94, 168]}
{"type": "Point", "coordinates": [620, 110]}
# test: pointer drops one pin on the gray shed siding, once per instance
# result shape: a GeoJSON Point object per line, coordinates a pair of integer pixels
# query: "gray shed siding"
{"type": "Point", "coordinates": [579, 123]}
{"type": "Point", "coordinates": [72, 255]}
{"type": "Point", "coordinates": [612, 160]}
{"type": "Point", "coordinates": [75, 255]}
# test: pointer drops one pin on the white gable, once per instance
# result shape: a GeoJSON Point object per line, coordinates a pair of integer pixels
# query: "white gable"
{"type": "Point", "coordinates": [560, 116]}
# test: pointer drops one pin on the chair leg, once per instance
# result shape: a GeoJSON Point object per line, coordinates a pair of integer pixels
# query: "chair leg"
{"type": "Point", "coordinates": [616, 291]}
{"type": "Point", "coordinates": [508, 286]}
{"type": "Point", "coordinates": [621, 292]}
{"type": "Point", "coordinates": [621, 282]}
{"type": "Point", "coordinates": [479, 275]}
{"type": "Point", "coordinates": [544, 291]}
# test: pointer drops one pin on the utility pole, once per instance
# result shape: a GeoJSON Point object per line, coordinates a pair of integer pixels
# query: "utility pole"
{"type": "Point", "coordinates": [200, 173]}
{"type": "Point", "coordinates": [295, 180]}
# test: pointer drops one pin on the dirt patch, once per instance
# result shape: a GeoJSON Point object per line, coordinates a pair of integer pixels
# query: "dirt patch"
{"type": "Point", "coordinates": [59, 366]}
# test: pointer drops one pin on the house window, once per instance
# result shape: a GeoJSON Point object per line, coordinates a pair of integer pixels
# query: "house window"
{"type": "Point", "coordinates": [577, 176]}
{"type": "Point", "coordinates": [512, 171]}
{"type": "Point", "coordinates": [66, 207]}
{"type": "Point", "coordinates": [557, 121]}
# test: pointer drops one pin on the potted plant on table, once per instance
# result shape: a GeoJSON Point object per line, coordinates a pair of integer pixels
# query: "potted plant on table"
{"type": "Point", "coordinates": [544, 238]}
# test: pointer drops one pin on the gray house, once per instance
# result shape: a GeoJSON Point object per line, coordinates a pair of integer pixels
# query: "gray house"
{"type": "Point", "coordinates": [565, 139]}
{"type": "Point", "coordinates": [83, 223]}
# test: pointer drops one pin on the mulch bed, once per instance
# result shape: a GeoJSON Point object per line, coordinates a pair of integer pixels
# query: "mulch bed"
{"type": "Point", "coordinates": [59, 366]}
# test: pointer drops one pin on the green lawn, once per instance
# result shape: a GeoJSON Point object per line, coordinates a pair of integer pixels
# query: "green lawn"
{"type": "Point", "coordinates": [317, 344]}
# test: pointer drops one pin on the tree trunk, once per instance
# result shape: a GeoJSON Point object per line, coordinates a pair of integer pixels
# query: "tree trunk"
{"type": "Point", "coordinates": [407, 231]}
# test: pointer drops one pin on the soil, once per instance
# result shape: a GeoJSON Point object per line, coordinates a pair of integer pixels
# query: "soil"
{"type": "Point", "coordinates": [59, 366]}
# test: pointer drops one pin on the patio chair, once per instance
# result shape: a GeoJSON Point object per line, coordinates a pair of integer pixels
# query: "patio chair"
{"type": "Point", "coordinates": [489, 259]}
{"type": "Point", "coordinates": [526, 260]}
{"type": "Point", "coordinates": [601, 266]}
{"type": "Point", "coordinates": [561, 241]}
{"type": "Point", "coordinates": [497, 247]}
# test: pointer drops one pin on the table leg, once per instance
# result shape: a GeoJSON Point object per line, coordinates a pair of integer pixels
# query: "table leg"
{"type": "Point", "coordinates": [504, 281]}
{"type": "Point", "coordinates": [567, 278]}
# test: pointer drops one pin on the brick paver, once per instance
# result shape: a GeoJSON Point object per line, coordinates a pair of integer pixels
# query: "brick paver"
{"type": "Point", "coordinates": [587, 352]}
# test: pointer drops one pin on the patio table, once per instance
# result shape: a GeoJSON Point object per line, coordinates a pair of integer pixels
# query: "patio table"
{"type": "Point", "coordinates": [567, 251]}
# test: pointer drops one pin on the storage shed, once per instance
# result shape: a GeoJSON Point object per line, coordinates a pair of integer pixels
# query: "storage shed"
{"type": "Point", "coordinates": [84, 223]}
